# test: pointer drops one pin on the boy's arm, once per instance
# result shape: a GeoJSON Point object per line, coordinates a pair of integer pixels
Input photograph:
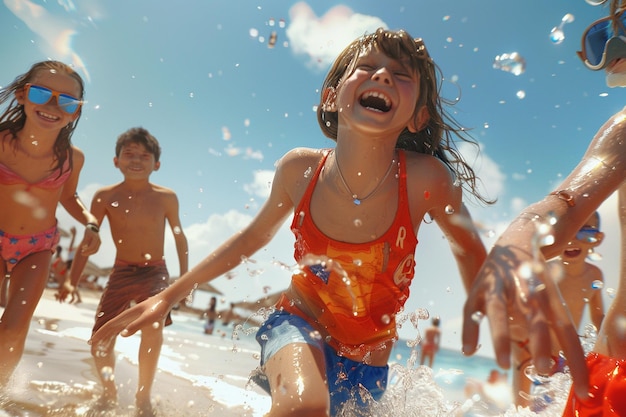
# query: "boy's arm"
{"type": "Point", "coordinates": [182, 248]}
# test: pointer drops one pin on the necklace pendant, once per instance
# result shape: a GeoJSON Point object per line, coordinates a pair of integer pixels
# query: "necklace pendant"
{"type": "Point", "coordinates": [356, 201]}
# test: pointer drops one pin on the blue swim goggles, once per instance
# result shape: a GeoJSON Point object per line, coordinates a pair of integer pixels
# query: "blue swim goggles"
{"type": "Point", "coordinates": [587, 234]}
{"type": "Point", "coordinates": [600, 45]}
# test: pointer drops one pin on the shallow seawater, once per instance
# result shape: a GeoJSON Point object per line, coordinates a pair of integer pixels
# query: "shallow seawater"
{"type": "Point", "coordinates": [202, 375]}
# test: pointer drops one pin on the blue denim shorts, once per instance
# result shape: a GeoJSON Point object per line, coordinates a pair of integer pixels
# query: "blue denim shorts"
{"type": "Point", "coordinates": [344, 375]}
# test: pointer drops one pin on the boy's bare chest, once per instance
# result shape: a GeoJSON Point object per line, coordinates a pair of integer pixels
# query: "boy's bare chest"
{"type": "Point", "coordinates": [142, 208]}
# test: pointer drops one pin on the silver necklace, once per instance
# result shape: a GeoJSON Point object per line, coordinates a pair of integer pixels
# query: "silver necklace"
{"type": "Point", "coordinates": [355, 199]}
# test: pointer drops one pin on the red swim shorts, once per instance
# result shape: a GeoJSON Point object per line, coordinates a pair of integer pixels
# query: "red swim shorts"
{"type": "Point", "coordinates": [607, 389]}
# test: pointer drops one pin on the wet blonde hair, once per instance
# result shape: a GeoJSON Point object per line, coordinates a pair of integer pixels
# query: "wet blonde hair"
{"type": "Point", "coordinates": [436, 137]}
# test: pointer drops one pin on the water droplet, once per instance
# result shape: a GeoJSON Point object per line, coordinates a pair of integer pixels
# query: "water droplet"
{"type": "Point", "coordinates": [513, 63]}
{"type": "Point", "coordinates": [477, 317]}
{"type": "Point", "coordinates": [358, 223]}
{"type": "Point", "coordinates": [597, 284]}
{"type": "Point", "coordinates": [449, 209]}
{"type": "Point", "coordinates": [556, 35]}
{"type": "Point", "coordinates": [115, 204]}
{"type": "Point", "coordinates": [107, 373]}
{"type": "Point", "coordinates": [595, 2]}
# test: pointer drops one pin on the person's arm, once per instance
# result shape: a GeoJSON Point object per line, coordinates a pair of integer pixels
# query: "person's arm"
{"type": "Point", "coordinates": [512, 289]}
{"type": "Point", "coordinates": [226, 257]}
{"type": "Point", "coordinates": [455, 222]}
{"type": "Point", "coordinates": [73, 276]}
{"type": "Point", "coordinates": [182, 247]}
{"type": "Point", "coordinates": [465, 243]}
{"type": "Point", "coordinates": [75, 207]}
{"type": "Point", "coordinates": [596, 304]}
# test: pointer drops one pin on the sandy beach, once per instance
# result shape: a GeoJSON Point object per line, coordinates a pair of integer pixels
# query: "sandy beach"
{"type": "Point", "coordinates": [56, 376]}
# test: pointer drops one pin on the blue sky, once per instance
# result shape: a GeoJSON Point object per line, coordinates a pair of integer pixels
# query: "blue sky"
{"type": "Point", "coordinates": [200, 75]}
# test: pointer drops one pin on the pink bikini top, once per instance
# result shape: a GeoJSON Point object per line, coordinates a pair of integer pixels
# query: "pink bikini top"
{"type": "Point", "coordinates": [52, 181]}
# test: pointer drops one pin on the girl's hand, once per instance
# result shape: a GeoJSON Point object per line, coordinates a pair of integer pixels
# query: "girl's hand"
{"type": "Point", "coordinates": [522, 304]}
{"type": "Point", "coordinates": [90, 243]}
{"type": "Point", "coordinates": [151, 312]}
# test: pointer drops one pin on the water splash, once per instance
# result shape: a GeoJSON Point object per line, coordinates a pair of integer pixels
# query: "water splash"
{"type": "Point", "coordinates": [513, 63]}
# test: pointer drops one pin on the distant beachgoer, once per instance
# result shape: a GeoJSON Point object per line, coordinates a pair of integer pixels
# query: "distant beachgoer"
{"type": "Point", "coordinates": [230, 316]}
{"type": "Point", "coordinates": [39, 169]}
{"type": "Point", "coordinates": [211, 315]}
{"type": "Point", "coordinates": [134, 208]}
{"type": "Point", "coordinates": [430, 344]}
{"type": "Point", "coordinates": [356, 213]}
{"type": "Point", "coordinates": [58, 267]}
{"type": "Point", "coordinates": [71, 253]}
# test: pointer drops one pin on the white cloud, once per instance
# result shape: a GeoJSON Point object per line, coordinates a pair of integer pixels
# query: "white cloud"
{"type": "Point", "coordinates": [323, 38]}
{"type": "Point", "coordinates": [261, 184]}
{"type": "Point", "coordinates": [55, 32]}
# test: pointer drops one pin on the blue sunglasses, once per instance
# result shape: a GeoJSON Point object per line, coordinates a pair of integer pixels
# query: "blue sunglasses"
{"type": "Point", "coordinates": [587, 234]}
{"type": "Point", "coordinates": [41, 95]}
{"type": "Point", "coordinates": [600, 45]}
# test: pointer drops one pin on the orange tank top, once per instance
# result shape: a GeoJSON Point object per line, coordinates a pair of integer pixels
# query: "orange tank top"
{"type": "Point", "coordinates": [367, 284]}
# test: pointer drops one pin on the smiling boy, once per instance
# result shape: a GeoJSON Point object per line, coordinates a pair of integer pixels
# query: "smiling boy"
{"type": "Point", "coordinates": [137, 211]}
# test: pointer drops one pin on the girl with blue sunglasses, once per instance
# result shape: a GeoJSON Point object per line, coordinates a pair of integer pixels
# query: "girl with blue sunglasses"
{"type": "Point", "coordinates": [39, 169]}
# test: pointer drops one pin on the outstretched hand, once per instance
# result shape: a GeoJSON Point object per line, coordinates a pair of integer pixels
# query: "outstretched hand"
{"type": "Point", "coordinates": [522, 304]}
{"type": "Point", "coordinates": [150, 312]}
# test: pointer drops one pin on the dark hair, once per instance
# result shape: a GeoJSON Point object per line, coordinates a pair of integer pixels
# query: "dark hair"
{"type": "Point", "coordinates": [436, 138]}
{"type": "Point", "coordinates": [14, 118]}
{"type": "Point", "coordinates": [141, 136]}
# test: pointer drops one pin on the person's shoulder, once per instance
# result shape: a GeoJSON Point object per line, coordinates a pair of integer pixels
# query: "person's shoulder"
{"type": "Point", "coordinates": [298, 158]}
{"type": "Point", "coordinates": [108, 190]}
{"type": "Point", "coordinates": [160, 189]}
{"type": "Point", "coordinates": [78, 156]}
{"type": "Point", "coordinates": [594, 272]}
{"type": "Point", "coordinates": [422, 161]}
{"type": "Point", "coordinates": [303, 154]}
{"type": "Point", "coordinates": [427, 169]}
